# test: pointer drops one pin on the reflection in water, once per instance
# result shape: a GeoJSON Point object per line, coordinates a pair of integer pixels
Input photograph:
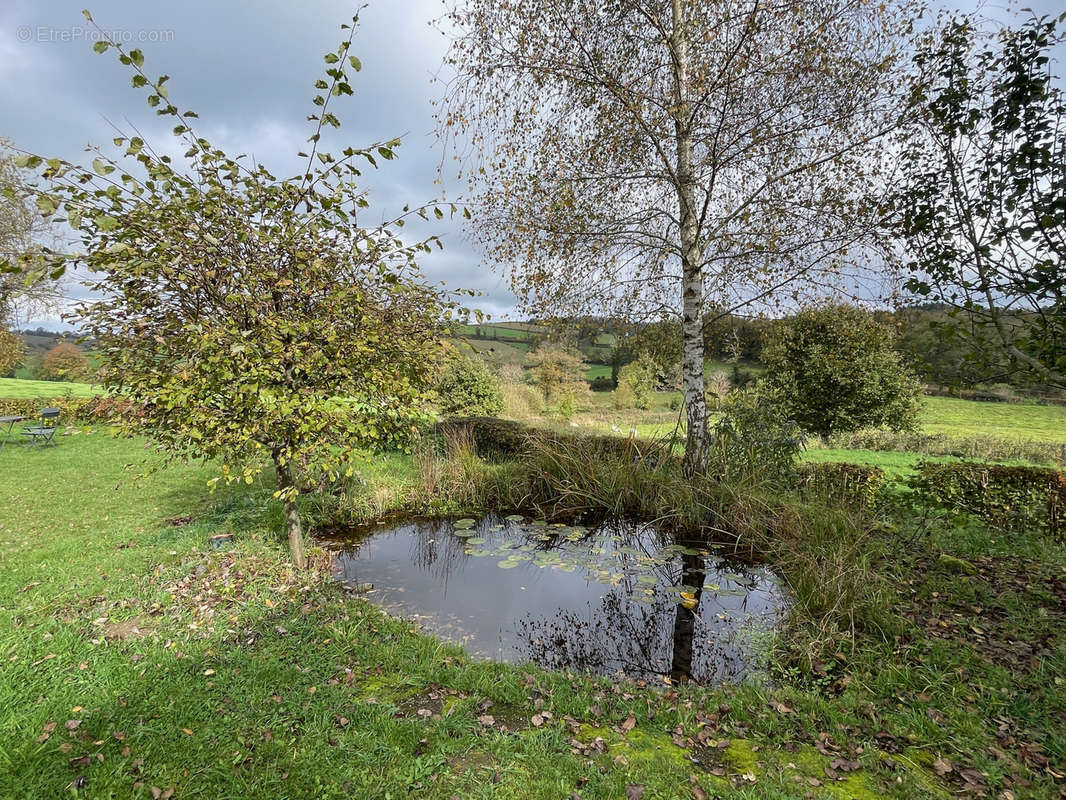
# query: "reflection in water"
{"type": "Point", "coordinates": [623, 598]}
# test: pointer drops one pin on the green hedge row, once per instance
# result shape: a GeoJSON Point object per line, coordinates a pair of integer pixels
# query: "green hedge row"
{"type": "Point", "coordinates": [503, 439]}
{"type": "Point", "coordinates": [1010, 498]}
{"type": "Point", "coordinates": [101, 408]}
{"type": "Point", "coordinates": [850, 483]}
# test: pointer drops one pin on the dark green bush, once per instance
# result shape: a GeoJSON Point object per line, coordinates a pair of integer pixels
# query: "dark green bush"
{"type": "Point", "coordinates": [836, 370]}
{"type": "Point", "coordinates": [601, 384]}
{"type": "Point", "coordinates": [1011, 498]}
{"type": "Point", "coordinates": [466, 387]}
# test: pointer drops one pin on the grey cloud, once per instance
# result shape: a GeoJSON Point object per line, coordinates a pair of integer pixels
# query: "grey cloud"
{"type": "Point", "coordinates": [247, 67]}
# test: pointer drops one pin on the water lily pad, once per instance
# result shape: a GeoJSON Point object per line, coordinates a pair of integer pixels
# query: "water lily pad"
{"type": "Point", "coordinates": [463, 532]}
{"type": "Point", "coordinates": [648, 579]}
{"type": "Point", "coordinates": [465, 523]}
{"type": "Point", "coordinates": [476, 540]}
{"type": "Point", "coordinates": [514, 518]}
{"type": "Point", "coordinates": [508, 563]}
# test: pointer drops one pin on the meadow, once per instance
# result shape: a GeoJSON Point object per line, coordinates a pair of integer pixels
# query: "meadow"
{"type": "Point", "coordinates": [19, 389]}
{"type": "Point", "coordinates": [140, 661]}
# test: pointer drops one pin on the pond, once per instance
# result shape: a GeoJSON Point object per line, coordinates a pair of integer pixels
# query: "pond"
{"type": "Point", "coordinates": [615, 598]}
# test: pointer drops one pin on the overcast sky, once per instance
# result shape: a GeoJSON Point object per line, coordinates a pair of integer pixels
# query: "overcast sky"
{"type": "Point", "coordinates": [247, 67]}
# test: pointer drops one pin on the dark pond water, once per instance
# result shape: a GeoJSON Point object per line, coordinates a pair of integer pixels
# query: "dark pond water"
{"type": "Point", "coordinates": [617, 598]}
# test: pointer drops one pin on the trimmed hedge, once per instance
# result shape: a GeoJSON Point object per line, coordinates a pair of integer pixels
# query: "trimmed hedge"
{"type": "Point", "coordinates": [101, 408]}
{"type": "Point", "coordinates": [504, 439]}
{"type": "Point", "coordinates": [1006, 497]}
{"type": "Point", "coordinates": [852, 483]}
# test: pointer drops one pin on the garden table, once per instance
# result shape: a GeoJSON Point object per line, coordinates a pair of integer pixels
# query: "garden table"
{"type": "Point", "coordinates": [10, 422]}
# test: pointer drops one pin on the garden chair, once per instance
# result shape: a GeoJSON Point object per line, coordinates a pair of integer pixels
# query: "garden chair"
{"type": "Point", "coordinates": [44, 432]}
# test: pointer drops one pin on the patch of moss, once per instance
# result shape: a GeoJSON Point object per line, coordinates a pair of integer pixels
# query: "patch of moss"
{"type": "Point", "coordinates": [391, 688]}
{"type": "Point", "coordinates": [650, 752]}
{"type": "Point", "coordinates": [810, 763]}
{"type": "Point", "coordinates": [741, 759]}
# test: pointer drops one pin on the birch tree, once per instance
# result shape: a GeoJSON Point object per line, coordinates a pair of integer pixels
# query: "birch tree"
{"type": "Point", "coordinates": [678, 159]}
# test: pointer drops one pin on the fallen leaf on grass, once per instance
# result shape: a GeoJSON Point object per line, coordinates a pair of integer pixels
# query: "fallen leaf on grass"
{"type": "Point", "coordinates": [942, 766]}
{"type": "Point", "coordinates": [634, 791]}
{"type": "Point", "coordinates": [73, 724]}
{"type": "Point", "coordinates": [627, 726]}
{"type": "Point", "coordinates": [487, 720]}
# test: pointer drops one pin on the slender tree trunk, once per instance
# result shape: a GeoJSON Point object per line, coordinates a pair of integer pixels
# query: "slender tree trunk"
{"type": "Point", "coordinates": [698, 436]}
{"type": "Point", "coordinates": [287, 485]}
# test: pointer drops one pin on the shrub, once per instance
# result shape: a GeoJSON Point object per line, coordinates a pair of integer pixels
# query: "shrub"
{"type": "Point", "coordinates": [718, 385]}
{"type": "Point", "coordinates": [636, 382]}
{"type": "Point", "coordinates": [554, 370]}
{"type": "Point", "coordinates": [520, 400]}
{"type": "Point", "coordinates": [511, 373]}
{"type": "Point", "coordinates": [1006, 497]}
{"type": "Point", "coordinates": [601, 384]}
{"type": "Point", "coordinates": [12, 352]}
{"type": "Point", "coordinates": [467, 388]}
{"type": "Point", "coordinates": [836, 370]}
{"type": "Point", "coordinates": [65, 362]}
{"type": "Point", "coordinates": [103, 408]}
{"type": "Point", "coordinates": [754, 442]}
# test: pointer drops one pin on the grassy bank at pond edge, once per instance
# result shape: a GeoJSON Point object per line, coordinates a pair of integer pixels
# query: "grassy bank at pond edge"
{"type": "Point", "coordinates": [135, 656]}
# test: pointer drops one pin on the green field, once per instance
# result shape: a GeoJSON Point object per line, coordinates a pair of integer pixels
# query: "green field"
{"type": "Point", "coordinates": [516, 331]}
{"type": "Point", "coordinates": [597, 371]}
{"type": "Point", "coordinates": [895, 465]}
{"type": "Point", "coordinates": [1007, 420]}
{"type": "Point", "coordinates": [17, 389]}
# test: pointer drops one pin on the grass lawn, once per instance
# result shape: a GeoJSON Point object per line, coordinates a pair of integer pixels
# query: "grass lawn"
{"type": "Point", "coordinates": [894, 464]}
{"type": "Point", "coordinates": [17, 389]}
{"type": "Point", "coordinates": [1006, 420]}
{"type": "Point", "coordinates": [137, 660]}
{"type": "Point", "coordinates": [598, 371]}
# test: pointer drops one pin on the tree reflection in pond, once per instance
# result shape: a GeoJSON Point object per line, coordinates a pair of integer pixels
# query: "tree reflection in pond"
{"type": "Point", "coordinates": [623, 597]}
